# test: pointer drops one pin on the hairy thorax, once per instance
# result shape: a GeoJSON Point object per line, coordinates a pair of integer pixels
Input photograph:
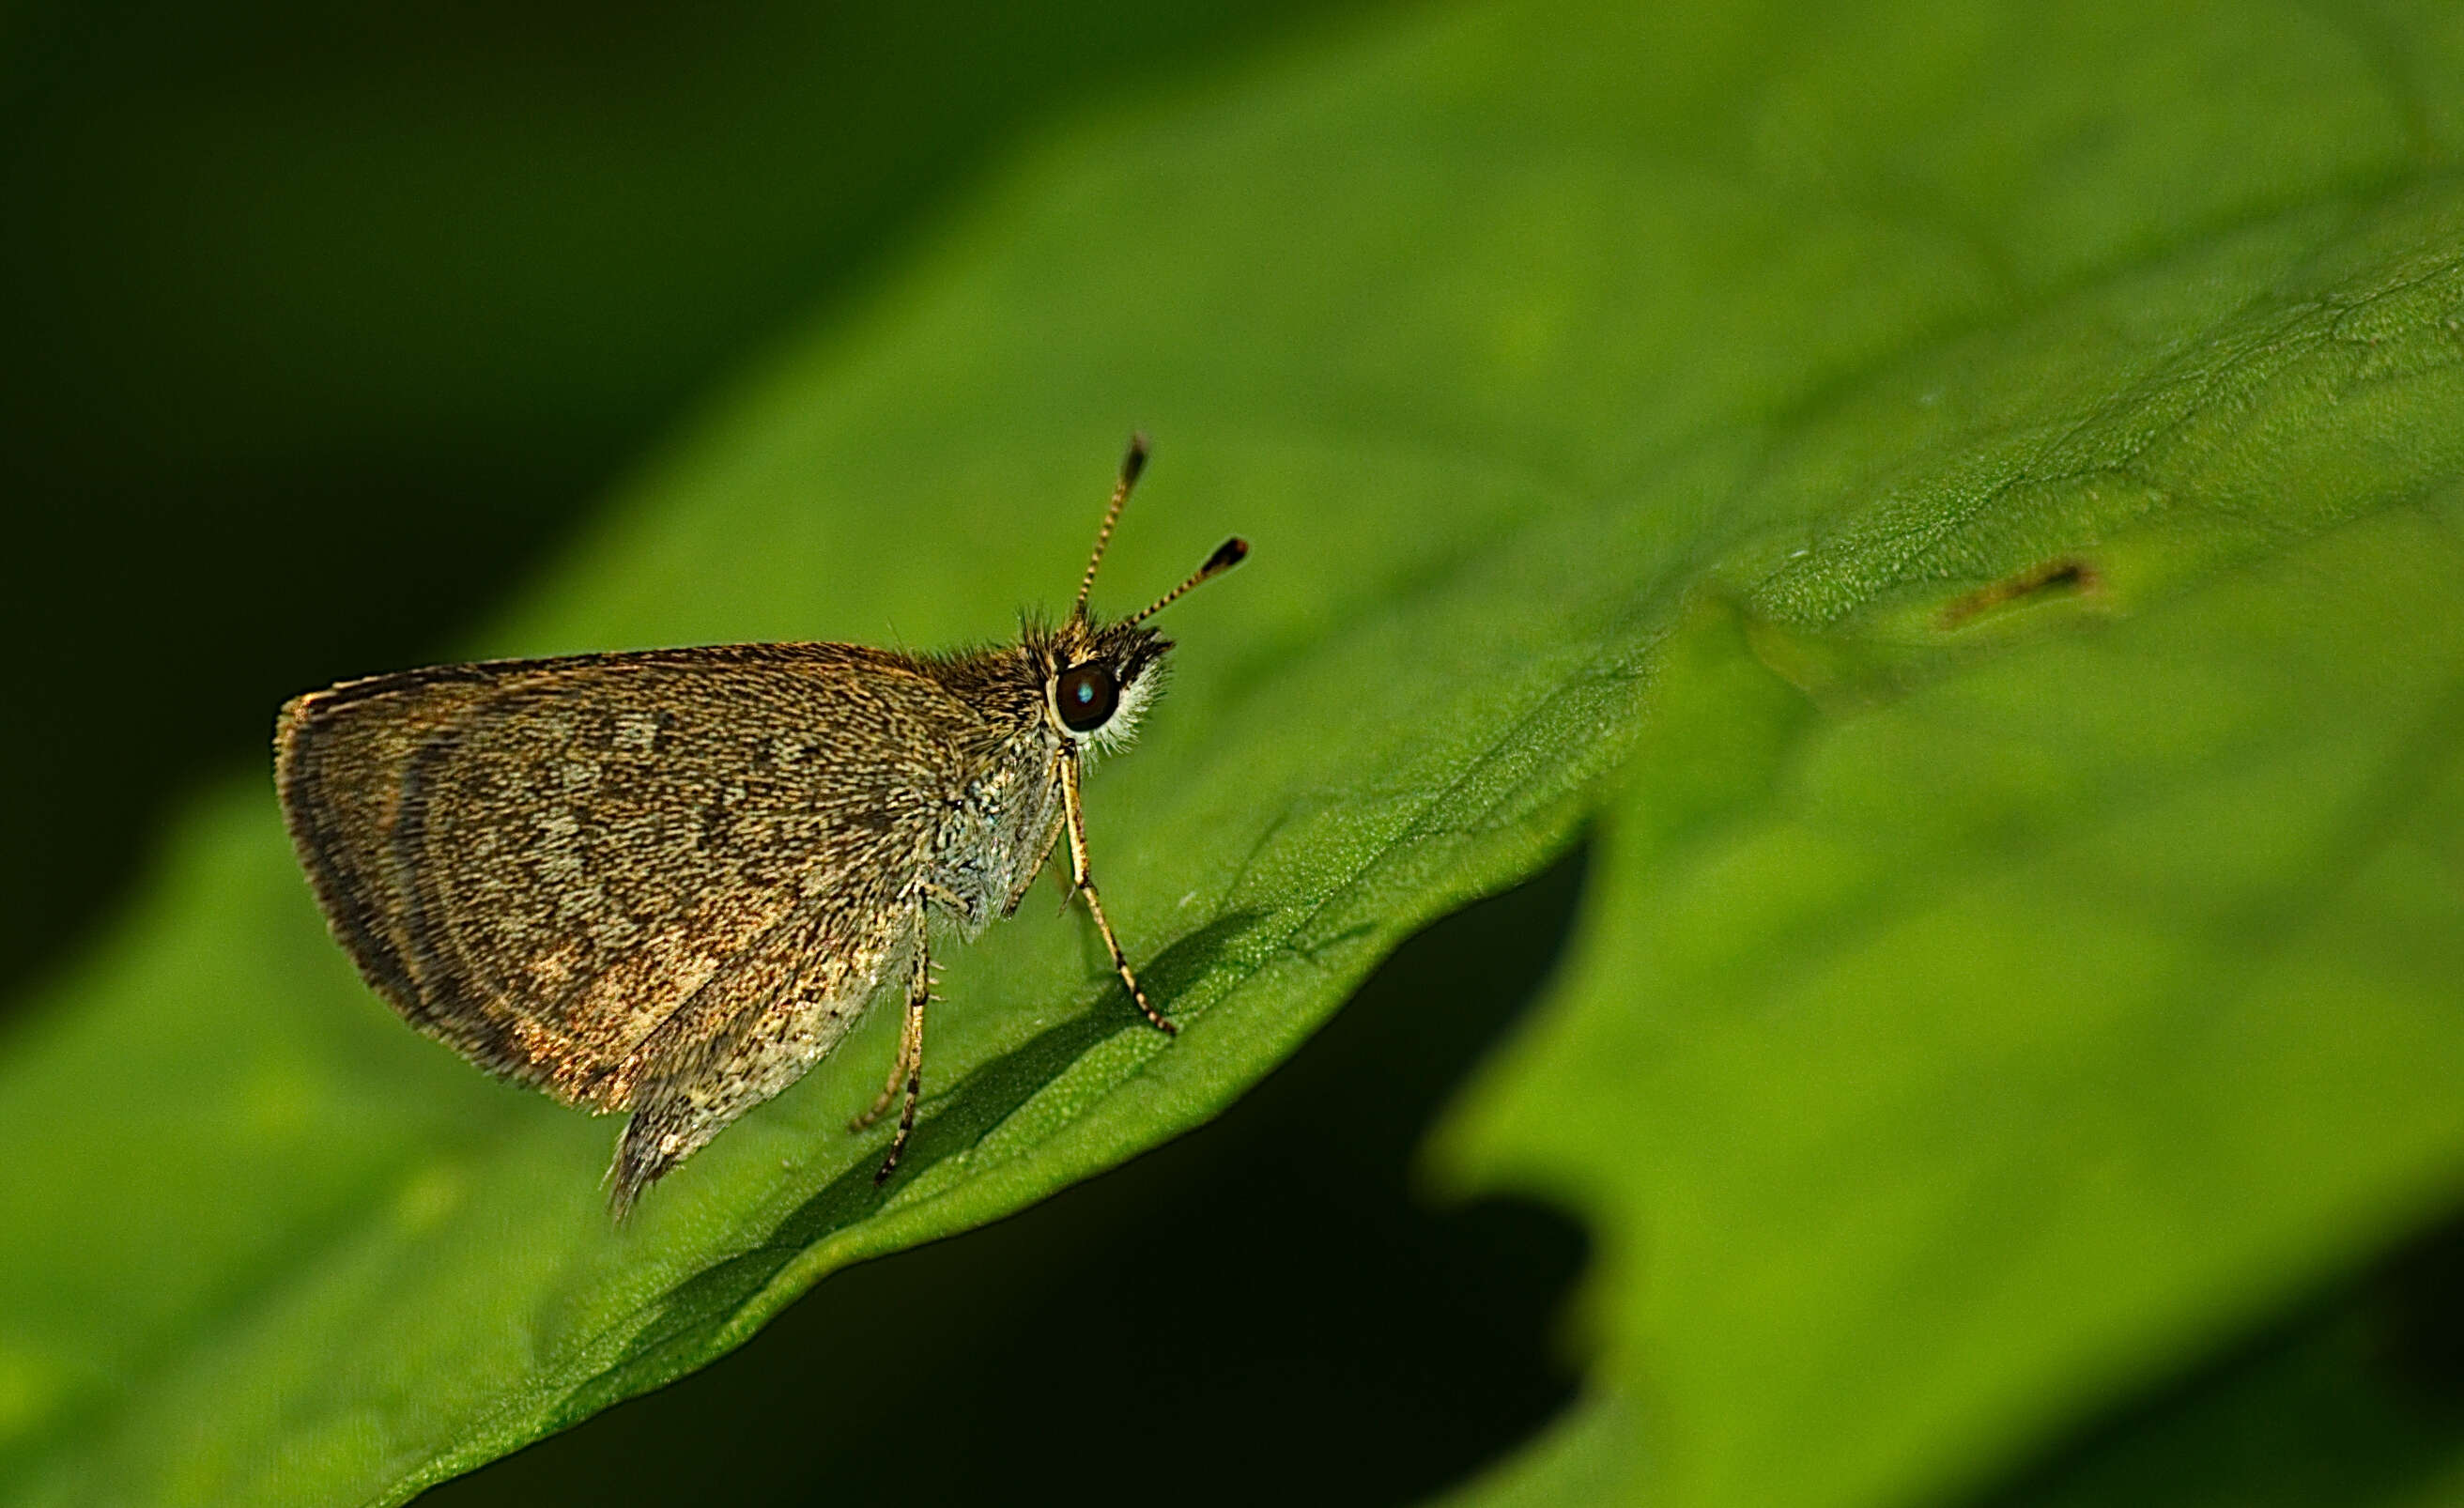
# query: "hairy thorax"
{"type": "Point", "coordinates": [1004, 808]}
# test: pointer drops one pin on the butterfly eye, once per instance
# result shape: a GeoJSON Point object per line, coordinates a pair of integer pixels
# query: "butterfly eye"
{"type": "Point", "coordinates": [1087, 695]}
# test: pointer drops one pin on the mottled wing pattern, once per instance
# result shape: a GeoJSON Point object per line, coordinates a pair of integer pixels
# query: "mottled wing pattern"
{"type": "Point", "coordinates": [589, 873]}
{"type": "Point", "coordinates": [769, 1014]}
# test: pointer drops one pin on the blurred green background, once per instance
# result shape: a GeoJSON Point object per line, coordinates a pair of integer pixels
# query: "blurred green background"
{"type": "Point", "coordinates": [326, 330]}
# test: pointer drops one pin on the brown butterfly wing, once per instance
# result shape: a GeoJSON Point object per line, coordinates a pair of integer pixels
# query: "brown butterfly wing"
{"type": "Point", "coordinates": [542, 863]}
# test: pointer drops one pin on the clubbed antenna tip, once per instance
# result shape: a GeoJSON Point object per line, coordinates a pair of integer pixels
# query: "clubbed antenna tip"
{"type": "Point", "coordinates": [1131, 465]}
{"type": "Point", "coordinates": [1227, 555]}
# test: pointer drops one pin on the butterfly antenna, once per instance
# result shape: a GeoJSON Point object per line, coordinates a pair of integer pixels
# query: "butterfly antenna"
{"type": "Point", "coordinates": [1131, 465]}
{"type": "Point", "coordinates": [1227, 555]}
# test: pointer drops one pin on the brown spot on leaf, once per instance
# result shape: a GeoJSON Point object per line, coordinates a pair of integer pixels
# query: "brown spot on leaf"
{"type": "Point", "coordinates": [2067, 576]}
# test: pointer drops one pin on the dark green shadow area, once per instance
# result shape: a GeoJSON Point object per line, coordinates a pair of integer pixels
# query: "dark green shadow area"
{"type": "Point", "coordinates": [1268, 1296]}
{"type": "Point", "coordinates": [2354, 1397]}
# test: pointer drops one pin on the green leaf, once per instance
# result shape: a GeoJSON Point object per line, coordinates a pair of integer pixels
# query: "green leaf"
{"type": "Point", "coordinates": [1936, 1072]}
{"type": "Point", "coordinates": [1548, 358]}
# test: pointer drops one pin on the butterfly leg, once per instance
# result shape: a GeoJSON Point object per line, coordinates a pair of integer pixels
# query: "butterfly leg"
{"type": "Point", "coordinates": [907, 1074]}
{"type": "Point", "coordinates": [889, 1096]}
{"type": "Point", "coordinates": [1084, 879]}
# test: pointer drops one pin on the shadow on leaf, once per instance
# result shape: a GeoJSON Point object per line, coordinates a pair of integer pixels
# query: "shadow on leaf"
{"type": "Point", "coordinates": [688, 1321]}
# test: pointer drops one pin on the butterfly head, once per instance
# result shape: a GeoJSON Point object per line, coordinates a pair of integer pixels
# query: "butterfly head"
{"type": "Point", "coordinates": [1099, 677]}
